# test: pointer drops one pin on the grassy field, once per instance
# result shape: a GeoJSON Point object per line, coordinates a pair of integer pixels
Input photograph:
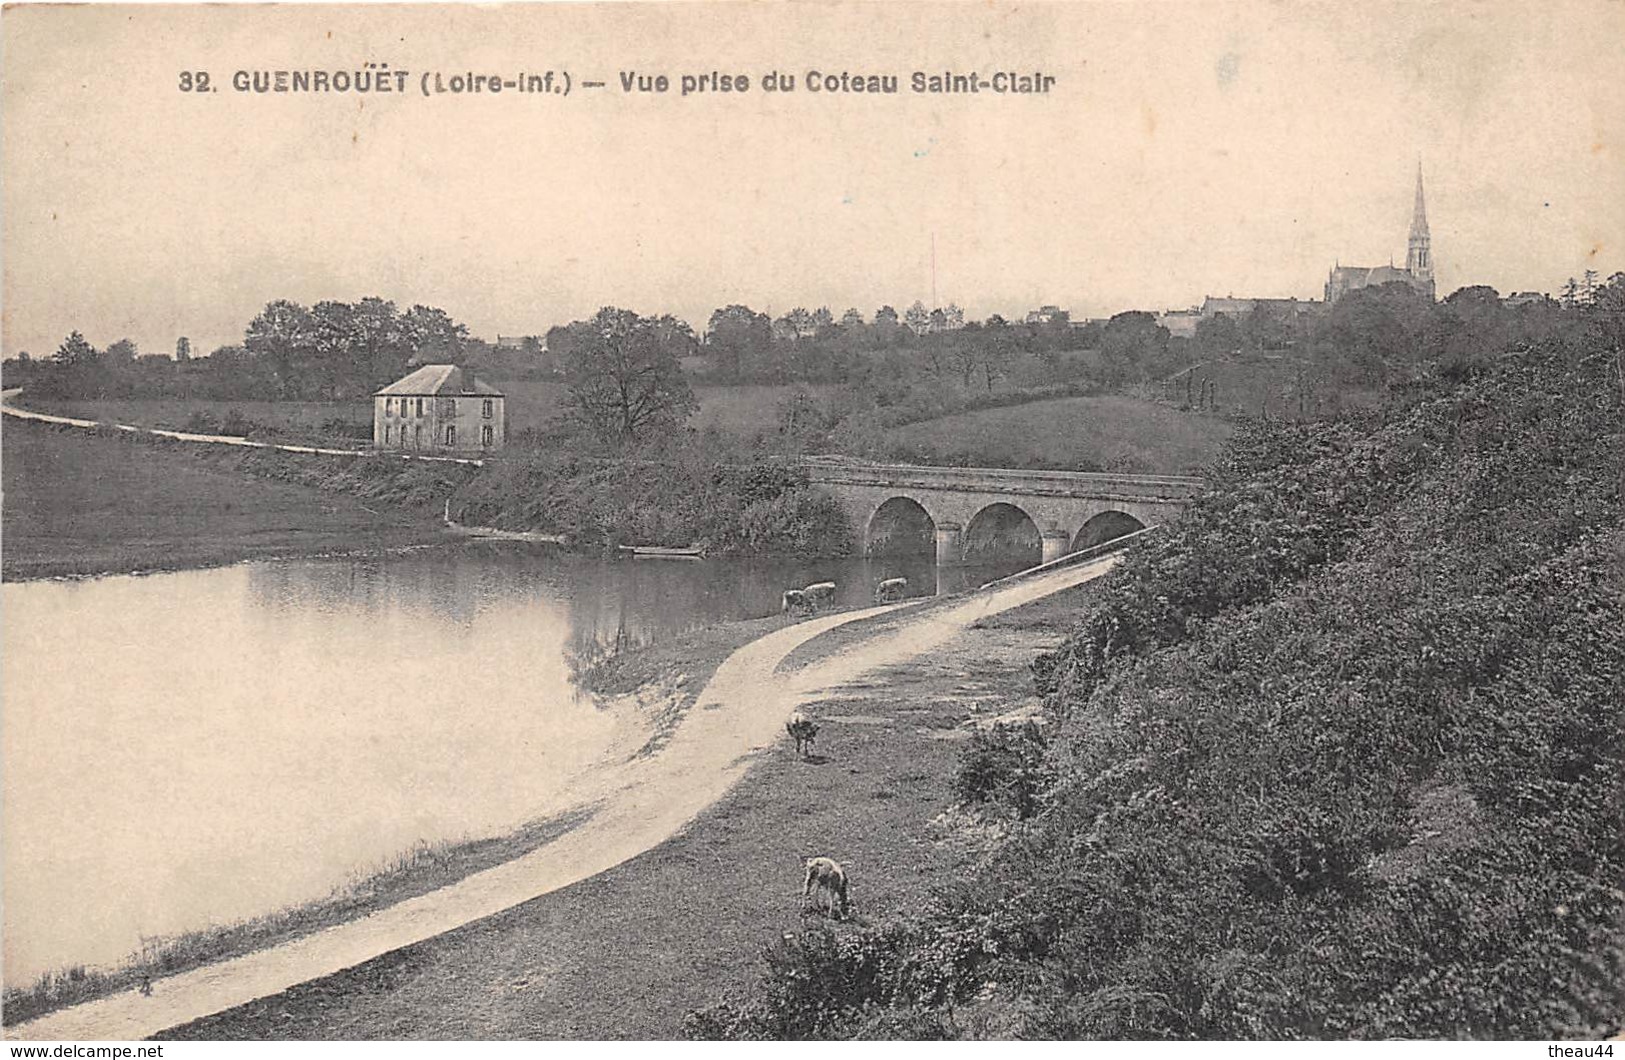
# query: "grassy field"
{"type": "Point", "coordinates": [1091, 433]}
{"type": "Point", "coordinates": [302, 417]}
{"type": "Point", "coordinates": [84, 503]}
{"type": "Point", "coordinates": [627, 953]}
{"type": "Point", "coordinates": [1271, 385]}
{"type": "Point", "coordinates": [531, 403]}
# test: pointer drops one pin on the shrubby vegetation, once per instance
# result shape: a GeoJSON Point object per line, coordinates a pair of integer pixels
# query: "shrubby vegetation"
{"type": "Point", "coordinates": [1338, 754]}
{"type": "Point", "coordinates": [686, 499]}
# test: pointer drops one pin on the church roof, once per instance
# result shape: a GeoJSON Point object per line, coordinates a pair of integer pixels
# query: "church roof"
{"type": "Point", "coordinates": [439, 379]}
{"type": "Point", "coordinates": [1361, 276]}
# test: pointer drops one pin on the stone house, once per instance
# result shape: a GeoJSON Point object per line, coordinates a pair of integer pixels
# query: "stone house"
{"type": "Point", "coordinates": [440, 408]}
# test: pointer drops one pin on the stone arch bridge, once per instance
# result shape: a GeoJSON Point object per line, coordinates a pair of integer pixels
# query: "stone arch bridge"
{"type": "Point", "coordinates": [968, 509]}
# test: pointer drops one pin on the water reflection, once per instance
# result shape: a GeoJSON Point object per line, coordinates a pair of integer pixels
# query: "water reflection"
{"type": "Point", "coordinates": [195, 748]}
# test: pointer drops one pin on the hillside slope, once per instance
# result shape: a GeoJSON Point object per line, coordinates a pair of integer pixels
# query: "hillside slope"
{"type": "Point", "coordinates": [1338, 755]}
{"type": "Point", "coordinates": [1103, 433]}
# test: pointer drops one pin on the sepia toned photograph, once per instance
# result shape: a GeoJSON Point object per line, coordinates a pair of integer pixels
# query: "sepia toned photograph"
{"type": "Point", "coordinates": [796, 521]}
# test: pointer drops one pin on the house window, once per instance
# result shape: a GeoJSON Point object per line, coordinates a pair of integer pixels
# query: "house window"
{"type": "Point", "coordinates": [486, 408]}
{"type": "Point", "coordinates": [417, 436]}
{"type": "Point", "coordinates": [386, 435]}
{"type": "Point", "coordinates": [485, 435]}
{"type": "Point", "coordinates": [451, 435]}
{"type": "Point", "coordinates": [448, 406]}
{"type": "Point", "coordinates": [420, 406]}
{"type": "Point", "coordinates": [389, 406]}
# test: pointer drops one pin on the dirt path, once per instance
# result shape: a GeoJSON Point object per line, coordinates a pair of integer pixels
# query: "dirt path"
{"type": "Point", "coordinates": [739, 712]}
{"type": "Point", "coordinates": [9, 409]}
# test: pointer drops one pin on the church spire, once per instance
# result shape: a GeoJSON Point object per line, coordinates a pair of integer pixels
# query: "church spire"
{"type": "Point", "coordinates": [1419, 255]}
{"type": "Point", "coordinates": [1419, 216]}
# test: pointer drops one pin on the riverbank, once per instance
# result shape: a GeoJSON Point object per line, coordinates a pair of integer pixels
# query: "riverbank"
{"type": "Point", "coordinates": [81, 503]}
{"type": "Point", "coordinates": [629, 952]}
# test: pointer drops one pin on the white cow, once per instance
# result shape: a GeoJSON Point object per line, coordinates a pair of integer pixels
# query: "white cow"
{"type": "Point", "coordinates": [826, 886]}
{"type": "Point", "coordinates": [801, 729]}
{"type": "Point", "coordinates": [891, 590]}
{"type": "Point", "coordinates": [819, 594]}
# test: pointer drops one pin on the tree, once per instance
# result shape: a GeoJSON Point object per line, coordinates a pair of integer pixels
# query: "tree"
{"type": "Point", "coordinates": [998, 349]}
{"type": "Point", "coordinates": [822, 318]}
{"type": "Point", "coordinates": [1132, 345]}
{"type": "Point", "coordinates": [918, 318]}
{"type": "Point", "coordinates": [75, 352]}
{"type": "Point", "coordinates": [853, 319]}
{"type": "Point", "coordinates": [885, 316]}
{"type": "Point", "coordinates": [1376, 327]}
{"type": "Point", "coordinates": [737, 336]}
{"type": "Point", "coordinates": [1217, 336]}
{"type": "Point", "coordinates": [122, 352]}
{"type": "Point", "coordinates": [281, 334]}
{"type": "Point", "coordinates": [427, 332]}
{"type": "Point", "coordinates": [625, 375]}
{"type": "Point", "coordinates": [797, 323]}
{"type": "Point", "coordinates": [380, 350]}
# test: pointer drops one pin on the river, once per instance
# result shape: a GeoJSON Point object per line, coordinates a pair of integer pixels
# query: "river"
{"type": "Point", "coordinates": [197, 748]}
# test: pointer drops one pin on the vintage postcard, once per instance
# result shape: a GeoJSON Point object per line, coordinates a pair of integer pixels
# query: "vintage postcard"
{"type": "Point", "coordinates": [943, 520]}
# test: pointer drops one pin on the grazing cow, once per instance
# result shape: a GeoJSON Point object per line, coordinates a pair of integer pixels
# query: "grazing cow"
{"type": "Point", "coordinates": [795, 600]}
{"type": "Point", "coordinates": [819, 594]}
{"type": "Point", "coordinates": [802, 730]}
{"type": "Point", "coordinates": [891, 590]}
{"type": "Point", "coordinates": [826, 886]}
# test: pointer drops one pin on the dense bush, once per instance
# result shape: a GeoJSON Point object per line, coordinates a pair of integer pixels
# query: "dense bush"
{"type": "Point", "coordinates": [687, 500]}
{"type": "Point", "coordinates": [1005, 767]}
{"type": "Point", "coordinates": [1336, 755]}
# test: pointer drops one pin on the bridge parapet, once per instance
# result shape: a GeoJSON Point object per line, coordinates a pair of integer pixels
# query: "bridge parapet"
{"type": "Point", "coordinates": [1153, 489]}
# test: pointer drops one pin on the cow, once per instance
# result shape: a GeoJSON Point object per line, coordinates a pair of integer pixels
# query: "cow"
{"type": "Point", "coordinates": [802, 730]}
{"type": "Point", "coordinates": [891, 590]}
{"type": "Point", "coordinates": [795, 600]}
{"type": "Point", "coordinates": [826, 886]}
{"type": "Point", "coordinates": [819, 594]}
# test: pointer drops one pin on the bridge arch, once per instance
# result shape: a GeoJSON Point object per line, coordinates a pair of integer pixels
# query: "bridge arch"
{"type": "Point", "coordinates": [1002, 530]}
{"type": "Point", "coordinates": [899, 526]}
{"type": "Point", "coordinates": [1105, 526]}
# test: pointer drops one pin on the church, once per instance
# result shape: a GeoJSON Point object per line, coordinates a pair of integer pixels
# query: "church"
{"type": "Point", "coordinates": [1418, 270]}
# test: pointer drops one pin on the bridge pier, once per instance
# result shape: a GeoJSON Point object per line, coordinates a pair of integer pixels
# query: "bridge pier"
{"type": "Point", "coordinates": [1056, 543]}
{"type": "Point", "coordinates": [950, 545]}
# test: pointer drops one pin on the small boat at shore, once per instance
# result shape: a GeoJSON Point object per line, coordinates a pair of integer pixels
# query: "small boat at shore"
{"type": "Point", "coordinates": [656, 552]}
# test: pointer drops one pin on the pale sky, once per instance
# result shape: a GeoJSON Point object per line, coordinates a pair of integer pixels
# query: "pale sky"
{"type": "Point", "coordinates": [1185, 150]}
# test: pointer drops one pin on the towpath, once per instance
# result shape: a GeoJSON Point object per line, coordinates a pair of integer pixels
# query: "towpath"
{"type": "Point", "coordinates": [6, 407]}
{"type": "Point", "coordinates": [740, 711]}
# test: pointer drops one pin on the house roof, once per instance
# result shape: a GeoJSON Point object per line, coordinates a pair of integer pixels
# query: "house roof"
{"type": "Point", "coordinates": [438, 379]}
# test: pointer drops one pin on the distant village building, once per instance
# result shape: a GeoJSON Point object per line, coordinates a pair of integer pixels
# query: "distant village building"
{"type": "Point", "coordinates": [439, 408]}
{"type": "Point", "coordinates": [1518, 299]}
{"type": "Point", "coordinates": [1288, 309]}
{"type": "Point", "coordinates": [1418, 270]}
{"type": "Point", "coordinates": [1181, 323]}
{"type": "Point", "coordinates": [1048, 314]}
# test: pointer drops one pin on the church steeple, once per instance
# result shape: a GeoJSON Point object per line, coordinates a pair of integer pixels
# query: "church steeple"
{"type": "Point", "coordinates": [1419, 256]}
